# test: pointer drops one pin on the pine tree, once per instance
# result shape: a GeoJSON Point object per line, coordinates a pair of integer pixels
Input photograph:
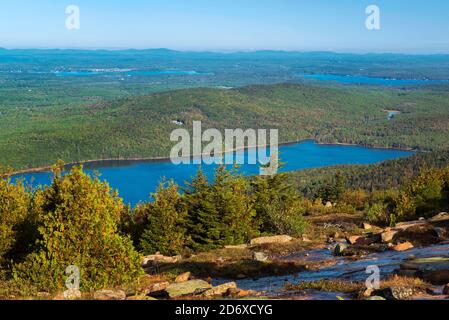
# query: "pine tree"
{"type": "Point", "coordinates": [232, 199]}
{"type": "Point", "coordinates": [220, 213]}
{"type": "Point", "coordinates": [165, 229]}
{"type": "Point", "coordinates": [333, 191]}
{"type": "Point", "coordinates": [204, 221]}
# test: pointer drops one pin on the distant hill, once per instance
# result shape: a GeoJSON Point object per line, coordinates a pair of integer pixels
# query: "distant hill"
{"type": "Point", "coordinates": [140, 126]}
{"type": "Point", "coordinates": [389, 174]}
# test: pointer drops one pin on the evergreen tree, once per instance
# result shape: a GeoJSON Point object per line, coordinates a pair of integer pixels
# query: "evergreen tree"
{"type": "Point", "coordinates": [334, 190]}
{"type": "Point", "coordinates": [204, 221]}
{"type": "Point", "coordinates": [165, 222]}
{"type": "Point", "coordinates": [220, 213]}
{"type": "Point", "coordinates": [232, 198]}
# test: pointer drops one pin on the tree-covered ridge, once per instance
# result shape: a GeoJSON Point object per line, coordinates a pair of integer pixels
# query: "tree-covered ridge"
{"type": "Point", "coordinates": [385, 175]}
{"type": "Point", "coordinates": [140, 126]}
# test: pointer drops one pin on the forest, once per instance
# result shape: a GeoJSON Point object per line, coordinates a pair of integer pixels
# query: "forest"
{"type": "Point", "coordinates": [140, 127]}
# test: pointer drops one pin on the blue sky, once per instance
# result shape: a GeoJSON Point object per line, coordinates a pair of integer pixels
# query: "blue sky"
{"type": "Point", "coordinates": [417, 26]}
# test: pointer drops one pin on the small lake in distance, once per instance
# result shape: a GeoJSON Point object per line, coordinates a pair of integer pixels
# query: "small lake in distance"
{"type": "Point", "coordinates": [135, 180]}
{"type": "Point", "coordinates": [348, 79]}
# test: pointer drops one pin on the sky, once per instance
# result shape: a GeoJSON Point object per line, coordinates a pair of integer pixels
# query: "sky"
{"type": "Point", "coordinates": [406, 26]}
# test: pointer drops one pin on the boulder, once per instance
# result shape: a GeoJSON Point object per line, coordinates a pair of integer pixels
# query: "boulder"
{"type": "Point", "coordinates": [273, 239]}
{"type": "Point", "coordinates": [368, 292]}
{"type": "Point", "coordinates": [443, 216]}
{"type": "Point", "coordinates": [72, 294]}
{"type": "Point", "coordinates": [43, 295]}
{"type": "Point", "coordinates": [328, 205]}
{"type": "Point", "coordinates": [140, 298]}
{"type": "Point", "coordinates": [376, 298]}
{"type": "Point", "coordinates": [369, 239]}
{"type": "Point", "coordinates": [238, 293]}
{"type": "Point", "coordinates": [183, 277]}
{"type": "Point", "coordinates": [109, 295]}
{"type": "Point", "coordinates": [367, 226]}
{"type": "Point", "coordinates": [305, 239]}
{"type": "Point", "coordinates": [155, 287]}
{"type": "Point", "coordinates": [220, 290]}
{"type": "Point", "coordinates": [175, 290]}
{"type": "Point", "coordinates": [158, 258]}
{"type": "Point", "coordinates": [434, 270]}
{"type": "Point", "coordinates": [353, 239]}
{"type": "Point", "coordinates": [388, 235]}
{"type": "Point", "coordinates": [403, 246]}
{"type": "Point", "coordinates": [260, 256]}
{"type": "Point", "coordinates": [395, 293]}
{"type": "Point", "coordinates": [406, 225]}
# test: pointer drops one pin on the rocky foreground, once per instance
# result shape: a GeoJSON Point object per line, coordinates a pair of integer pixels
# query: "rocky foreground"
{"type": "Point", "coordinates": [331, 262]}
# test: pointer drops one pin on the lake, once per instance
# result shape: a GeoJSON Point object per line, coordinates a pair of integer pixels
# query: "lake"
{"type": "Point", "coordinates": [135, 180]}
{"type": "Point", "coordinates": [348, 79]}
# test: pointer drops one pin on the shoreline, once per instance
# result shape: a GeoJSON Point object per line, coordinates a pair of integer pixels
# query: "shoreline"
{"type": "Point", "coordinates": [165, 159]}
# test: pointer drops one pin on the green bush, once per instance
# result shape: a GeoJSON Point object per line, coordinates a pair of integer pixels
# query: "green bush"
{"type": "Point", "coordinates": [15, 204]}
{"type": "Point", "coordinates": [279, 208]}
{"type": "Point", "coordinates": [378, 213]}
{"type": "Point", "coordinates": [78, 225]}
{"type": "Point", "coordinates": [426, 190]}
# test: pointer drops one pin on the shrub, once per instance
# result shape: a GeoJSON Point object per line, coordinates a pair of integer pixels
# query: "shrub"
{"type": "Point", "coordinates": [14, 208]}
{"type": "Point", "coordinates": [78, 225]}
{"type": "Point", "coordinates": [404, 208]}
{"type": "Point", "coordinates": [165, 229]}
{"type": "Point", "coordinates": [343, 207]}
{"type": "Point", "coordinates": [354, 198]}
{"type": "Point", "coordinates": [286, 217]}
{"type": "Point", "coordinates": [378, 213]}
{"type": "Point", "coordinates": [279, 209]}
{"type": "Point", "coordinates": [426, 190]}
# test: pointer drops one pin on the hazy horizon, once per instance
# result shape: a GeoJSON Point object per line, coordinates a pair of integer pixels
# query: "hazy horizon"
{"type": "Point", "coordinates": [406, 26]}
{"type": "Point", "coordinates": [361, 52]}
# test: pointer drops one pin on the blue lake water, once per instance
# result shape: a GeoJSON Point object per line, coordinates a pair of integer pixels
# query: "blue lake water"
{"type": "Point", "coordinates": [348, 79]}
{"type": "Point", "coordinates": [135, 180]}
